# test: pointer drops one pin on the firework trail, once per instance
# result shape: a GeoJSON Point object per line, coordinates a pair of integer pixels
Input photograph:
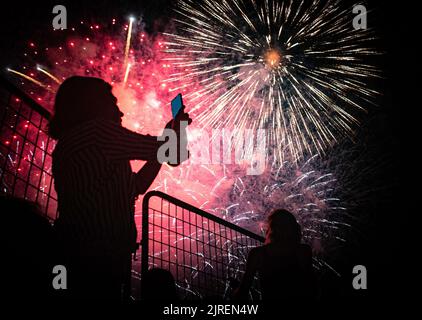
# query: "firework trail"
{"type": "Point", "coordinates": [48, 74]}
{"type": "Point", "coordinates": [24, 76]}
{"type": "Point", "coordinates": [129, 37]}
{"type": "Point", "coordinates": [295, 68]}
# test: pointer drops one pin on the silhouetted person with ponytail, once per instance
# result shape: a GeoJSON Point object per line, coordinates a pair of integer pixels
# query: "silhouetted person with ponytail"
{"type": "Point", "coordinates": [283, 264]}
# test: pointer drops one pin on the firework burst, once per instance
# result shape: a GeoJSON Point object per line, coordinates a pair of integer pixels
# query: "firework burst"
{"type": "Point", "coordinates": [297, 69]}
{"type": "Point", "coordinates": [311, 191]}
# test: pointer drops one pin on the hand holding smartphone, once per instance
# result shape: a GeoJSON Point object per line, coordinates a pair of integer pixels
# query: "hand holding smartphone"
{"type": "Point", "coordinates": [177, 108]}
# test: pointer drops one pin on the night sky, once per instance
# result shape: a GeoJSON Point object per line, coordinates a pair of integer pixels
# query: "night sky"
{"type": "Point", "coordinates": [378, 245]}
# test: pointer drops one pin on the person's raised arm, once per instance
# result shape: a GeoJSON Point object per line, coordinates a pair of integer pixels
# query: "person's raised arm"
{"type": "Point", "coordinates": [119, 143]}
{"type": "Point", "coordinates": [147, 174]}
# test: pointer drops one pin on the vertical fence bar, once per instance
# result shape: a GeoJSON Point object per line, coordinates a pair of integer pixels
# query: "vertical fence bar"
{"type": "Point", "coordinates": [144, 240]}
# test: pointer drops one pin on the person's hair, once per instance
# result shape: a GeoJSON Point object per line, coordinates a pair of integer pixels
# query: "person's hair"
{"type": "Point", "coordinates": [159, 284]}
{"type": "Point", "coordinates": [283, 228]}
{"type": "Point", "coordinates": [79, 99]}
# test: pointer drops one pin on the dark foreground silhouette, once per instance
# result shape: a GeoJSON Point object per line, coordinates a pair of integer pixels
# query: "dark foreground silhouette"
{"type": "Point", "coordinates": [31, 250]}
{"type": "Point", "coordinates": [283, 264]}
{"type": "Point", "coordinates": [28, 251]}
{"type": "Point", "coordinates": [159, 285]}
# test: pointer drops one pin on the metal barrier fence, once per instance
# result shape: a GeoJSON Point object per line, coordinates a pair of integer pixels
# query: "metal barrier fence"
{"type": "Point", "coordinates": [202, 251]}
{"type": "Point", "coordinates": [25, 149]}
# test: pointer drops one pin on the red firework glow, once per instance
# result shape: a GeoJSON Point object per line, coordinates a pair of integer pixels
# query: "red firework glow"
{"type": "Point", "coordinates": [135, 64]}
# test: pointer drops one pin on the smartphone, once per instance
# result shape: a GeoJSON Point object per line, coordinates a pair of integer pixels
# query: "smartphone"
{"type": "Point", "coordinates": [176, 105]}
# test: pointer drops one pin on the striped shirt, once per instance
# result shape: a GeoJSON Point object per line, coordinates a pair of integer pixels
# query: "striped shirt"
{"type": "Point", "coordinates": [95, 185]}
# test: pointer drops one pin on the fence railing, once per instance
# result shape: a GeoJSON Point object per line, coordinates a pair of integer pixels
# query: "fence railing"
{"type": "Point", "coordinates": [202, 251]}
{"type": "Point", "coordinates": [25, 149]}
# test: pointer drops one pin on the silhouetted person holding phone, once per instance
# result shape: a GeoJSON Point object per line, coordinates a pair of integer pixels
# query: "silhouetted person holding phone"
{"type": "Point", "coordinates": [283, 264]}
{"type": "Point", "coordinates": [96, 187]}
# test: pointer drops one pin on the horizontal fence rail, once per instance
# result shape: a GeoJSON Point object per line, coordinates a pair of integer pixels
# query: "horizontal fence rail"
{"type": "Point", "coordinates": [203, 252]}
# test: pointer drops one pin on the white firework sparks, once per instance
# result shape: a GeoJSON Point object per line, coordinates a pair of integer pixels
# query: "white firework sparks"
{"type": "Point", "coordinates": [297, 69]}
